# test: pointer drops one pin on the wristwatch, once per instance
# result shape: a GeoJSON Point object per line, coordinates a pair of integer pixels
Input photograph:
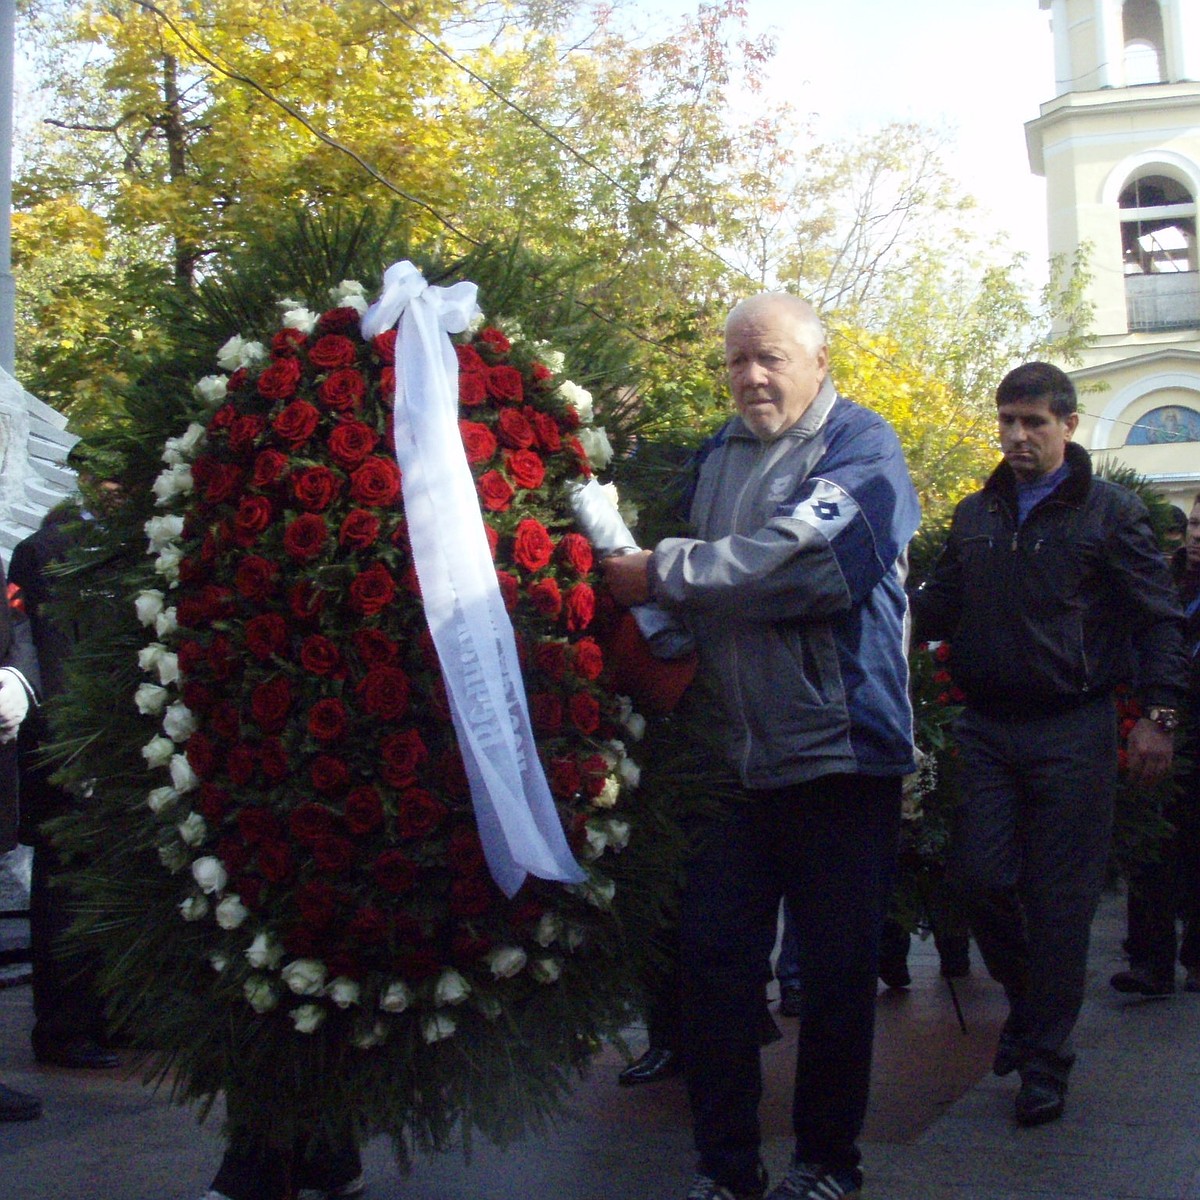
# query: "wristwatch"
{"type": "Point", "coordinates": [1167, 719]}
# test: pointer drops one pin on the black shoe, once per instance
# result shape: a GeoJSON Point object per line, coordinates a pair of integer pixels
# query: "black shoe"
{"type": "Point", "coordinates": [768, 1032]}
{"type": "Point", "coordinates": [657, 1063]}
{"type": "Point", "coordinates": [77, 1054]}
{"type": "Point", "coordinates": [18, 1106]}
{"type": "Point", "coordinates": [1040, 1099]}
{"type": "Point", "coordinates": [1141, 981]}
{"type": "Point", "coordinates": [791, 1000]}
{"type": "Point", "coordinates": [894, 973]}
{"type": "Point", "coordinates": [1009, 1058]}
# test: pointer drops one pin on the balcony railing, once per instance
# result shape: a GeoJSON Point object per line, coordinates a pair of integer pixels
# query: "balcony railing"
{"type": "Point", "coordinates": [1163, 302]}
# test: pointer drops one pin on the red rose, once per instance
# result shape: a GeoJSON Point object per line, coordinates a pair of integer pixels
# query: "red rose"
{"type": "Point", "coordinates": [350, 442]}
{"type": "Point", "coordinates": [418, 813]}
{"type": "Point", "coordinates": [493, 539]}
{"type": "Point", "coordinates": [402, 754]}
{"type": "Point", "coordinates": [286, 342]}
{"type": "Point", "coordinates": [257, 824]}
{"type": "Point", "coordinates": [582, 462]}
{"type": "Point", "coordinates": [526, 468]}
{"type": "Point", "coordinates": [469, 360]}
{"type": "Point", "coordinates": [551, 659]}
{"type": "Point", "coordinates": [252, 517]}
{"type": "Point", "coordinates": [384, 344]}
{"type": "Point", "coordinates": [273, 760]}
{"type": "Point", "coordinates": [338, 320]}
{"type": "Point", "coordinates": [327, 719]}
{"type": "Point", "coordinates": [576, 551]}
{"type": "Point", "coordinates": [374, 647]}
{"type": "Point", "coordinates": [223, 418]}
{"type": "Point", "coordinates": [249, 887]}
{"type": "Point", "coordinates": [472, 389]}
{"type": "Point", "coordinates": [201, 754]}
{"type": "Point", "coordinates": [234, 853]}
{"type": "Point", "coordinates": [342, 390]}
{"type": "Point", "coordinates": [565, 778]}
{"type": "Point", "coordinates": [237, 380]}
{"type": "Point", "coordinates": [315, 488]}
{"type": "Point", "coordinates": [240, 763]}
{"type": "Point", "coordinates": [452, 775]}
{"type": "Point", "coordinates": [222, 658]}
{"type": "Point", "coordinates": [317, 902]}
{"type": "Point", "coordinates": [245, 431]}
{"type": "Point", "coordinates": [505, 383]}
{"type": "Point", "coordinates": [495, 491]}
{"type": "Point", "coordinates": [595, 771]}
{"type": "Point", "coordinates": [541, 372]}
{"type": "Point", "coordinates": [369, 926]}
{"type": "Point", "coordinates": [360, 529]}
{"type": "Point", "coordinates": [328, 774]}
{"type": "Point", "coordinates": [479, 441]}
{"type": "Point", "coordinates": [305, 537]}
{"type": "Point", "coordinates": [266, 635]}
{"type": "Point", "coordinates": [581, 607]}
{"type": "Point", "coordinates": [532, 547]}
{"type": "Point", "coordinates": [332, 854]}
{"type": "Point", "coordinates": [214, 802]}
{"type": "Point", "coordinates": [270, 702]}
{"type": "Point", "coordinates": [510, 589]}
{"type": "Point", "coordinates": [546, 712]}
{"type": "Point", "coordinates": [331, 351]}
{"type": "Point", "coordinates": [198, 697]}
{"type": "Point", "coordinates": [278, 381]}
{"type": "Point", "coordinates": [221, 482]}
{"type": "Point", "coordinates": [310, 821]}
{"type": "Point", "coordinates": [295, 424]}
{"type": "Point", "coordinates": [320, 656]}
{"type": "Point", "coordinates": [387, 385]}
{"type": "Point", "coordinates": [467, 948]}
{"type": "Point", "coordinates": [376, 482]}
{"type": "Point", "coordinates": [546, 428]}
{"type": "Point", "coordinates": [255, 577]}
{"type": "Point", "coordinates": [394, 872]}
{"type": "Point", "coordinates": [471, 897]}
{"type": "Point", "coordinates": [305, 599]}
{"type": "Point", "coordinates": [513, 429]}
{"type": "Point", "coordinates": [492, 337]}
{"type": "Point", "coordinates": [275, 861]}
{"type": "Point", "coordinates": [383, 692]}
{"type": "Point", "coordinates": [372, 590]}
{"type": "Point", "coordinates": [363, 809]}
{"type": "Point", "coordinates": [269, 466]}
{"type": "Point", "coordinates": [585, 712]}
{"type": "Point", "coordinates": [546, 597]}
{"type": "Point", "coordinates": [587, 659]}
{"type": "Point", "coordinates": [464, 853]}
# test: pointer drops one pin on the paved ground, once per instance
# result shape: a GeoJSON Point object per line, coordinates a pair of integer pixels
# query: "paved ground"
{"type": "Point", "coordinates": [940, 1126]}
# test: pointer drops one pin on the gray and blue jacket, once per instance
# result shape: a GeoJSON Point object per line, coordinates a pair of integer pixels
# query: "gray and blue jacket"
{"type": "Point", "coordinates": [793, 584]}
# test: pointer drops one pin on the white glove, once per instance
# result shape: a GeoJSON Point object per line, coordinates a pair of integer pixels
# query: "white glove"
{"type": "Point", "coordinates": [14, 703]}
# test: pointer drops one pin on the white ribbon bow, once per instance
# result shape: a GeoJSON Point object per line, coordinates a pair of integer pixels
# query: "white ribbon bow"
{"type": "Point", "coordinates": [518, 822]}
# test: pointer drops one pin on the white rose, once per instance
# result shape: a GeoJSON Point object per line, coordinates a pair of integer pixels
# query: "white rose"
{"type": "Point", "coordinates": [573, 937]}
{"type": "Point", "coordinates": [148, 605]}
{"type": "Point", "coordinates": [396, 997]}
{"type": "Point", "coordinates": [168, 667]}
{"type": "Point", "coordinates": [167, 563]}
{"type": "Point", "coordinates": [349, 294]}
{"type": "Point", "coordinates": [630, 773]}
{"type": "Point", "coordinates": [192, 829]}
{"type": "Point", "coordinates": [307, 1017]}
{"type": "Point", "coordinates": [210, 876]}
{"type": "Point", "coordinates": [264, 951]}
{"type": "Point", "coordinates": [260, 993]}
{"type": "Point", "coordinates": [184, 447]}
{"type": "Point", "coordinates": [546, 970]}
{"type": "Point", "coordinates": [618, 834]}
{"type": "Point", "coordinates": [151, 698]}
{"type": "Point", "coordinates": [218, 961]}
{"type": "Point", "coordinates": [238, 353]}
{"type": "Point", "coordinates": [174, 481]}
{"type": "Point", "coordinates": [161, 798]}
{"type": "Point", "coordinates": [211, 390]}
{"type": "Point", "coordinates": [149, 655]}
{"type": "Point", "coordinates": [193, 908]}
{"type": "Point", "coordinates": [595, 839]}
{"type": "Point", "coordinates": [231, 912]}
{"type": "Point", "coordinates": [505, 961]}
{"type": "Point", "coordinates": [158, 751]}
{"type": "Point", "coordinates": [179, 722]}
{"type": "Point", "coordinates": [629, 513]}
{"type": "Point", "coordinates": [451, 988]}
{"type": "Point", "coordinates": [598, 890]}
{"type": "Point", "coordinates": [596, 446]}
{"type": "Point", "coordinates": [366, 1036]}
{"type": "Point", "coordinates": [162, 531]}
{"type": "Point", "coordinates": [438, 1027]}
{"type": "Point", "coordinates": [612, 752]}
{"type": "Point", "coordinates": [173, 856]}
{"type": "Point", "coordinates": [608, 793]}
{"type": "Point", "coordinates": [303, 319]}
{"type": "Point", "coordinates": [580, 399]}
{"type": "Point", "coordinates": [548, 928]}
{"type": "Point", "coordinates": [166, 622]}
{"type": "Point", "coordinates": [344, 992]}
{"type": "Point", "coordinates": [635, 724]}
{"type": "Point", "coordinates": [183, 778]}
{"type": "Point", "coordinates": [305, 976]}
{"type": "Point", "coordinates": [553, 360]}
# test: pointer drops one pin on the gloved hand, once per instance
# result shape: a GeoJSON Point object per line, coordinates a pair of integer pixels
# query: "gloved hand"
{"type": "Point", "coordinates": [14, 703]}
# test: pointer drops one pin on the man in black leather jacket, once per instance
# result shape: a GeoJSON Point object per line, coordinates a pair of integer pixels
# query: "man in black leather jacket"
{"type": "Point", "coordinates": [1051, 591]}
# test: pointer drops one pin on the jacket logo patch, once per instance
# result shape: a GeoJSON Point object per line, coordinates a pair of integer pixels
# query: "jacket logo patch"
{"type": "Point", "coordinates": [827, 510]}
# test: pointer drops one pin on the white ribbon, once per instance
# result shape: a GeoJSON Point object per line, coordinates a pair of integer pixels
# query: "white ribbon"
{"type": "Point", "coordinates": [518, 822]}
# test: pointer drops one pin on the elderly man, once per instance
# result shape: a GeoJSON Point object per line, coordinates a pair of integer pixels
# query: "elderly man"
{"type": "Point", "coordinates": [793, 586]}
{"type": "Point", "coordinates": [1051, 590]}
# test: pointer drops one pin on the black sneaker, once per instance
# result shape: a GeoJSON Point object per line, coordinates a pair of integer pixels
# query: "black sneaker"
{"type": "Point", "coordinates": [805, 1181]}
{"type": "Point", "coordinates": [1040, 1099]}
{"type": "Point", "coordinates": [704, 1187]}
{"type": "Point", "coordinates": [1141, 981]}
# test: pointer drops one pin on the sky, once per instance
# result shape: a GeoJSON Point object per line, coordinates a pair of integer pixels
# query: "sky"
{"type": "Point", "coordinates": [978, 69]}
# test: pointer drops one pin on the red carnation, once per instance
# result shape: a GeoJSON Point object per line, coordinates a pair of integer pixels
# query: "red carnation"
{"type": "Point", "coordinates": [526, 468]}
{"type": "Point", "coordinates": [546, 597]}
{"type": "Point", "coordinates": [320, 655]}
{"type": "Point", "coordinates": [332, 351]}
{"type": "Point", "coordinates": [295, 424]}
{"type": "Point", "coordinates": [360, 529]}
{"type": "Point", "coordinates": [376, 482]}
{"type": "Point", "coordinates": [269, 466]}
{"type": "Point", "coordinates": [505, 383]}
{"type": "Point", "coordinates": [266, 635]}
{"type": "Point", "coordinates": [372, 590]}
{"type": "Point", "coordinates": [395, 872]}
{"type": "Point", "coordinates": [495, 491]}
{"type": "Point", "coordinates": [255, 577]}
{"type": "Point", "coordinates": [383, 692]}
{"type": "Point", "coordinates": [364, 809]}
{"type": "Point", "coordinates": [576, 551]}
{"type": "Point", "coordinates": [587, 658]}
{"type": "Point", "coordinates": [532, 547]}
{"type": "Point", "coordinates": [270, 702]}
{"type": "Point", "coordinates": [350, 442]}
{"type": "Point", "coordinates": [327, 719]}
{"type": "Point", "coordinates": [342, 390]}
{"type": "Point", "coordinates": [305, 537]}
{"type": "Point", "coordinates": [315, 488]}
{"type": "Point", "coordinates": [513, 429]}
{"type": "Point", "coordinates": [278, 381]}
{"type": "Point", "coordinates": [328, 774]}
{"type": "Point", "coordinates": [585, 712]}
{"type": "Point", "coordinates": [418, 813]}
{"type": "Point", "coordinates": [581, 607]}
{"type": "Point", "coordinates": [479, 441]}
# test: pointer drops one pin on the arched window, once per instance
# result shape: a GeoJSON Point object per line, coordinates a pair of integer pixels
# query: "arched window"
{"type": "Point", "coordinates": [1164, 426]}
{"type": "Point", "coordinates": [1142, 27]}
{"type": "Point", "coordinates": [1158, 226]}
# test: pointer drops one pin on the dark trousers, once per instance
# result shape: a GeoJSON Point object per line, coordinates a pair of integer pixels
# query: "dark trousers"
{"type": "Point", "coordinates": [1029, 852]}
{"type": "Point", "coordinates": [829, 848]}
